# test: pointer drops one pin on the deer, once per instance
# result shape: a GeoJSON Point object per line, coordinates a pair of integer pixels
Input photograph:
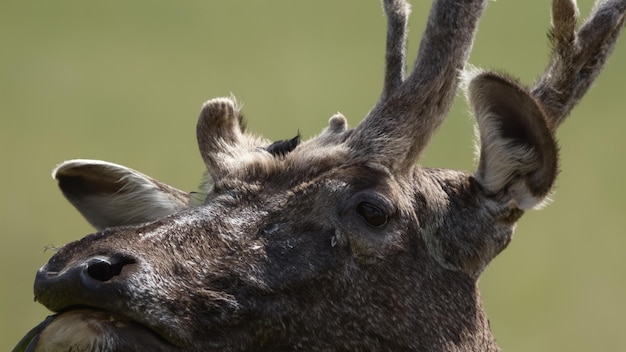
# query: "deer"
{"type": "Point", "coordinates": [342, 242]}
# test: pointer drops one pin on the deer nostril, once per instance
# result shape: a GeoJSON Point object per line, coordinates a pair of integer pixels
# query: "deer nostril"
{"type": "Point", "coordinates": [100, 270]}
{"type": "Point", "coordinates": [104, 270]}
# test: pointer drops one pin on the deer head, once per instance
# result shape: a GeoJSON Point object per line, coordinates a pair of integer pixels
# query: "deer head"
{"type": "Point", "coordinates": [342, 242]}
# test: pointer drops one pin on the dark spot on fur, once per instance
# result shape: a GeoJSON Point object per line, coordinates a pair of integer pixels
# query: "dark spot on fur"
{"type": "Point", "coordinates": [283, 147]}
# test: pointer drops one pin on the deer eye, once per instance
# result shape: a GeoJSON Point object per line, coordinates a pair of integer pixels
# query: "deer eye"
{"type": "Point", "coordinates": [372, 214]}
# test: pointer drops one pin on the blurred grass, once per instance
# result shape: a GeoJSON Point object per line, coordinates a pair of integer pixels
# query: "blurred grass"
{"type": "Point", "coordinates": [124, 81]}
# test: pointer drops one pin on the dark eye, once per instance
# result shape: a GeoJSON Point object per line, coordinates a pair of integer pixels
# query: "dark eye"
{"type": "Point", "coordinates": [372, 214]}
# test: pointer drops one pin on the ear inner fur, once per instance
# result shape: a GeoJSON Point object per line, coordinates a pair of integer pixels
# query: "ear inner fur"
{"type": "Point", "coordinates": [108, 194]}
{"type": "Point", "coordinates": [518, 154]}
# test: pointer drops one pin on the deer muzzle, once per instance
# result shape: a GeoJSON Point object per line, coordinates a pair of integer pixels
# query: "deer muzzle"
{"type": "Point", "coordinates": [93, 282]}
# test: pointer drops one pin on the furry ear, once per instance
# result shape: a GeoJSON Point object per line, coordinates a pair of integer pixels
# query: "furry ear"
{"type": "Point", "coordinates": [108, 194]}
{"type": "Point", "coordinates": [518, 153]}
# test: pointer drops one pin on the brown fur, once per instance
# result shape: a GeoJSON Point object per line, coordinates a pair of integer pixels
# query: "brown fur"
{"type": "Point", "coordinates": [344, 243]}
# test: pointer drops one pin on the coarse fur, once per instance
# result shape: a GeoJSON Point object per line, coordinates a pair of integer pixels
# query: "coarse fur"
{"type": "Point", "coordinates": [339, 243]}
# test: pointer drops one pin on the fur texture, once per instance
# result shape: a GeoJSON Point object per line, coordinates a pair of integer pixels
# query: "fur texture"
{"type": "Point", "coordinates": [340, 243]}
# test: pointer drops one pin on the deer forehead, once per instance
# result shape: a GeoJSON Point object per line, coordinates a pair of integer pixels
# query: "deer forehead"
{"type": "Point", "coordinates": [325, 173]}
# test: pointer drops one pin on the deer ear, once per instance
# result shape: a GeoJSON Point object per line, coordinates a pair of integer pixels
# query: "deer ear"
{"type": "Point", "coordinates": [518, 154]}
{"type": "Point", "coordinates": [108, 194]}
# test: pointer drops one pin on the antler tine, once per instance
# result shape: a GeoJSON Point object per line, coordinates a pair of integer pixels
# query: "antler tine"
{"type": "Point", "coordinates": [578, 57]}
{"type": "Point", "coordinates": [401, 123]}
{"type": "Point", "coordinates": [397, 12]}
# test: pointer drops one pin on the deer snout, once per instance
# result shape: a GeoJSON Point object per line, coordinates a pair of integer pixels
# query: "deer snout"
{"type": "Point", "coordinates": [93, 282]}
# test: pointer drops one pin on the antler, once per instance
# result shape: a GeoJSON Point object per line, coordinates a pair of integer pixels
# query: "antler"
{"type": "Point", "coordinates": [395, 58]}
{"type": "Point", "coordinates": [400, 125]}
{"type": "Point", "coordinates": [518, 153]}
{"type": "Point", "coordinates": [224, 145]}
{"type": "Point", "coordinates": [578, 57]}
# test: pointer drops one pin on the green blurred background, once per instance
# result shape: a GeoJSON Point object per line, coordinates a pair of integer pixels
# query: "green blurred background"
{"type": "Point", "coordinates": [123, 81]}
